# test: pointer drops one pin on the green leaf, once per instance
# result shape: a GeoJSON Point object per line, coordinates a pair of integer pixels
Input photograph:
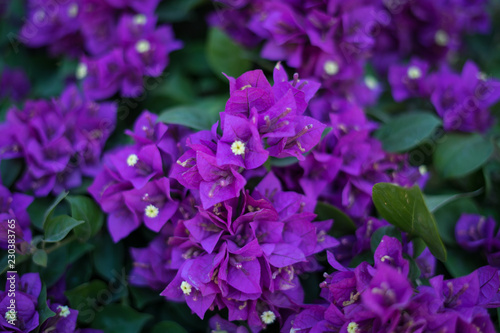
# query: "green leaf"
{"type": "Point", "coordinates": [118, 318]}
{"type": "Point", "coordinates": [342, 224]}
{"type": "Point", "coordinates": [406, 209]}
{"type": "Point", "coordinates": [108, 256]}
{"type": "Point", "coordinates": [225, 56]}
{"type": "Point", "coordinates": [461, 154]}
{"type": "Point", "coordinates": [50, 211]}
{"type": "Point", "coordinates": [175, 11]}
{"type": "Point", "coordinates": [88, 297]}
{"type": "Point", "coordinates": [415, 272]}
{"type": "Point", "coordinates": [168, 326]}
{"type": "Point", "coordinates": [461, 263]}
{"type": "Point", "coordinates": [144, 296]}
{"type": "Point", "coordinates": [43, 309]}
{"type": "Point", "coordinates": [10, 171]}
{"type": "Point", "coordinates": [377, 236]}
{"type": "Point", "coordinates": [418, 246]}
{"type": "Point", "coordinates": [85, 209]}
{"type": "Point", "coordinates": [199, 117]}
{"type": "Point", "coordinates": [58, 227]}
{"type": "Point", "coordinates": [40, 258]}
{"type": "Point", "coordinates": [434, 202]}
{"type": "Point", "coordinates": [407, 130]}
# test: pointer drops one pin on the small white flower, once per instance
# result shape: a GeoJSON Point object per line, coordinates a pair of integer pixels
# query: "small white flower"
{"type": "Point", "coordinates": [11, 315]}
{"type": "Point", "coordinates": [140, 19]}
{"type": "Point", "coordinates": [238, 147]}
{"type": "Point", "coordinates": [64, 311]}
{"type": "Point", "coordinates": [186, 288]}
{"type": "Point", "coordinates": [132, 159]}
{"type": "Point", "coordinates": [422, 169]}
{"type": "Point", "coordinates": [81, 71]}
{"type": "Point", "coordinates": [331, 67]}
{"type": "Point", "coordinates": [142, 46]}
{"type": "Point", "coordinates": [353, 327]}
{"type": "Point", "coordinates": [414, 72]}
{"type": "Point", "coordinates": [441, 38]}
{"type": "Point", "coordinates": [151, 211]}
{"type": "Point", "coordinates": [268, 317]}
{"type": "Point", "coordinates": [73, 10]}
{"type": "Point", "coordinates": [371, 82]}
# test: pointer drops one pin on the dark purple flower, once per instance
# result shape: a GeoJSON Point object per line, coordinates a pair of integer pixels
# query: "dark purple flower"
{"type": "Point", "coordinates": [409, 80]}
{"type": "Point", "coordinates": [14, 84]}
{"type": "Point", "coordinates": [472, 231]}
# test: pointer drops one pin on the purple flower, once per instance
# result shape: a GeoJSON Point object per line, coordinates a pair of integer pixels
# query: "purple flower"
{"type": "Point", "coordinates": [409, 80]}
{"type": "Point", "coordinates": [60, 140]}
{"type": "Point", "coordinates": [13, 206]}
{"type": "Point", "coordinates": [25, 292]}
{"type": "Point", "coordinates": [463, 101]}
{"type": "Point", "coordinates": [473, 232]}
{"type": "Point", "coordinates": [14, 84]}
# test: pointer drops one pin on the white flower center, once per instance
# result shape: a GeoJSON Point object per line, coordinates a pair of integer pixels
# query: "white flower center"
{"type": "Point", "coordinates": [186, 288]}
{"type": "Point", "coordinates": [371, 82]}
{"type": "Point", "coordinates": [238, 147]}
{"type": "Point", "coordinates": [73, 10]}
{"type": "Point", "coordinates": [11, 315]}
{"type": "Point", "coordinates": [151, 211]}
{"type": "Point", "coordinates": [331, 67]}
{"type": "Point", "coordinates": [268, 317]}
{"type": "Point", "coordinates": [81, 71]}
{"type": "Point", "coordinates": [140, 19]}
{"type": "Point", "coordinates": [39, 15]}
{"type": "Point", "coordinates": [422, 169]}
{"type": "Point", "coordinates": [414, 72]}
{"type": "Point", "coordinates": [353, 327]}
{"type": "Point", "coordinates": [64, 311]}
{"type": "Point", "coordinates": [142, 46]}
{"type": "Point", "coordinates": [132, 159]}
{"type": "Point", "coordinates": [441, 38]}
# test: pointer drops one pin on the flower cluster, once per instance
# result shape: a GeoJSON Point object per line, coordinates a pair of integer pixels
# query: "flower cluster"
{"type": "Point", "coordinates": [117, 41]}
{"type": "Point", "coordinates": [332, 41]}
{"type": "Point", "coordinates": [380, 298]}
{"type": "Point", "coordinates": [462, 100]}
{"type": "Point", "coordinates": [59, 140]}
{"type": "Point", "coordinates": [26, 291]}
{"type": "Point", "coordinates": [259, 121]}
{"type": "Point", "coordinates": [245, 255]}
{"type": "Point", "coordinates": [132, 187]}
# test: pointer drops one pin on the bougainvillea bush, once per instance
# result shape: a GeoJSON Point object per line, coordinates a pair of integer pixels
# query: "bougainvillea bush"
{"type": "Point", "coordinates": [244, 166]}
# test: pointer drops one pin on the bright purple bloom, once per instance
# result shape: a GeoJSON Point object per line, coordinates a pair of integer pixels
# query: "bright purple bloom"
{"type": "Point", "coordinates": [60, 140]}
{"type": "Point", "coordinates": [409, 80]}
{"type": "Point", "coordinates": [473, 232]}
{"type": "Point", "coordinates": [13, 206]}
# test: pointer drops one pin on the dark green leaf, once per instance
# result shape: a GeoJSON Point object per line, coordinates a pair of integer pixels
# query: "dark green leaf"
{"type": "Point", "coordinates": [58, 227]}
{"type": "Point", "coordinates": [224, 55]}
{"type": "Point", "coordinates": [50, 211]}
{"type": "Point", "coordinates": [43, 309]}
{"type": "Point", "coordinates": [461, 154]}
{"type": "Point", "coordinates": [10, 170]}
{"type": "Point", "coordinates": [418, 246]}
{"type": "Point", "coordinates": [377, 236]}
{"type": "Point", "coordinates": [407, 130]}
{"type": "Point", "coordinates": [85, 209]}
{"type": "Point", "coordinates": [87, 298]}
{"type": "Point", "coordinates": [405, 208]}
{"type": "Point", "coordinates": [362, 257]}
{"type": "Point", "coordinates": [175, 11]}
{"type": "Point", "coordinates": [37, 210]}
{"type": "Point", "coordinates": [200, 116]}
{"type": "Point", "coordinates": [461, 263]}
{"type": "Point", "coordinates": [108, 256]}
{"type": "Point", "coordinates": [434, 202]}
{"type": "Point", "coordinates": [144, 296]}
{"type": "Point", "coordinates": [415, 272]}
{"type": "Point", "coordinates": [168, 326]}
{"type": "Point", "coordinates": [118, 318]}
{"type": "Point", "coordinates": [342, 224]}
{"type": "Point", "coordinates": [283, 162]}
{"type": "Point", "coordinates": [40, 258]}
